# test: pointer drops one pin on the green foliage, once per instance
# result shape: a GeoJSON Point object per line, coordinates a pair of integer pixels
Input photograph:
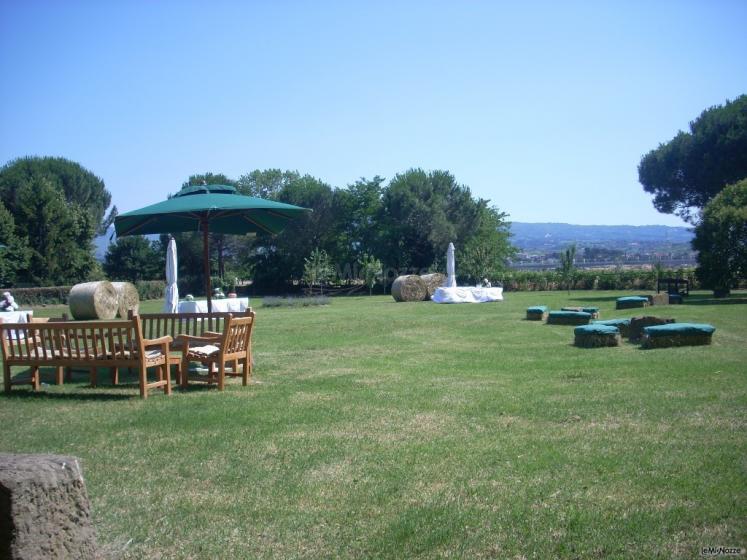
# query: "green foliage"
{"type": "Point", "coordinates": [269, 183]}
{"type": "Point", "coordinates": [14, 251]}
{"type": "Point", "coordinates": [49, 295]}
{"type": "Point", "coordinates": [421, 213]}
{"type": "Point", "coordinates": [608, 279]}
{"type": "Point", "coordinates": [134, 258]}
{"type": "Point", "coordinates": [488, 249]}
{"type": "Point", "coordinates": [407, 223]}
{"type": "Point", "coordinates": [79, 187]}
{"type": "Point", "coordinates": [692, 168]}
{"type": "Point", "coordinates": [295, 301]}
{"type": "Point", "coordinates": [568, 266]}
{"type": "Point", "coordinates": [150, 289]}
{"type": "Point", "coordinates": [58, 206]}
{"type": "Point", "coordinates": [317, 269]}
{"type": "Point", "coordinates": [371, 270]}
{"type": "Point", "coordinates": [721, 239]}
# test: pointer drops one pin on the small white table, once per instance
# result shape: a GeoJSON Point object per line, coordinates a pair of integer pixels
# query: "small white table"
{"type": "Point", "coordinates": [219, 305]}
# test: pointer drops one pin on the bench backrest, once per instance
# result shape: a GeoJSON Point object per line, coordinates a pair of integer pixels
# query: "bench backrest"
{"type": "Point", "coordinates": [74, 342]}
{"type": "Point", "coordinates": [155, 325]}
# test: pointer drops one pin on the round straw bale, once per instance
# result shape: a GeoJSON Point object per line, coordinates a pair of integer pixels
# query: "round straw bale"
{"type": "Point", "coordinates": [409, 288]}
{"type": "Point", "coordinates": [127, 298]}
{"type": "Point", "coordinates": [93, 300]}
{"type": "Point", "coordinates": [432, 282]}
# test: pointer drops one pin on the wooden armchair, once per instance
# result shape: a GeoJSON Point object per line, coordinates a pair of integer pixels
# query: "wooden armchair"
{"type": "Point", "coordinates": [233, 346]}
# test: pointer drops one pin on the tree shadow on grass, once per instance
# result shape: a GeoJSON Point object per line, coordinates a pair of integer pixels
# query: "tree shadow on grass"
{"type": "Point", "coordinates": [706, 299]}
{"type": "Point", "coordinates": [596, 298]}
{"type": "Point", "coordinates": [56, 396]}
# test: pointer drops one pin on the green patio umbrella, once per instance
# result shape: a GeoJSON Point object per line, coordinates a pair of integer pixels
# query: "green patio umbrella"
{"type": "Point", "coordinates": [206, 208]}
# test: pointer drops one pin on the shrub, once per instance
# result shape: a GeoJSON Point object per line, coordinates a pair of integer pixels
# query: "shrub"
{"type": "Point", "coordinates": [150, 289]}
{"type": "Point", "coordinates": [294, 301]}
{"type": "Point", "coordinates": [50, 295]}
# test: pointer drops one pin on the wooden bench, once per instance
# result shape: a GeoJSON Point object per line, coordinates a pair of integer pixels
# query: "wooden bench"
{"type": "Point", "coordinates": [156, 325]}
{"type": "Point", "coordinates": [87, 344]}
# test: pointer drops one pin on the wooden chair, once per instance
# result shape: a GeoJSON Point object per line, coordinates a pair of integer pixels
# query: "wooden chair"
{"type": "Point", "coordinates": [233, 346]}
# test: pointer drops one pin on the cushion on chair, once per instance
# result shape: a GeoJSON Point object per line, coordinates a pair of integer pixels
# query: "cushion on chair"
{"type": "Point", "coordinates": [204, 351]}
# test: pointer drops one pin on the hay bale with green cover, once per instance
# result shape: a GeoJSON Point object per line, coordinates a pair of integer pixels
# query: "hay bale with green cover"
{"type": "Point", "coordinates": [637, 324]}
{"type": "Point", "coordinates": [409, 288]}
{"type": "Point", "coordinates": [537, 313]}
{"type": "Point", "coordinates": [128, 298]}
{"type": "Point", "coordinates": [596, 336]}
{"type": "Point", "coordinates": [593, 311]}
{"type": "Point", "coordinates": [677, 334]}
{"type": "Point", "coordinates": [93, 300]}
{"type": "Point", "coordinates": [629, 302]}
{"type": "Point", "coordinates": [568, 318]}
{"type": "Point", "coordinates": [433, 282]}
{"type": "Point", "coordinates": [623, 325]}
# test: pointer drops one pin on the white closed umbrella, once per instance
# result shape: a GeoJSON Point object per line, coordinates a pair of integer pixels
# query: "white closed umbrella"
{"type": "Point", "coordinates": [172, 290]}
{"type": "Point", "coordinates": [450, 268]}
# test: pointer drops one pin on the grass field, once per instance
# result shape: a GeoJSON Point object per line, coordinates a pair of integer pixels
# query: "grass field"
{"type": "Point", "coordinates": [384, 430]}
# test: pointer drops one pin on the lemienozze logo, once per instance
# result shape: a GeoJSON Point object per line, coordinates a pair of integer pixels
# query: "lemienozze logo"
{"type": "Point", "coordinates": [721, 551]}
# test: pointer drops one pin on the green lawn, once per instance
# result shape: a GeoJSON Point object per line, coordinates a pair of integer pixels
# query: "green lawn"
{"type": "Point", "coordinates": [384, 430]}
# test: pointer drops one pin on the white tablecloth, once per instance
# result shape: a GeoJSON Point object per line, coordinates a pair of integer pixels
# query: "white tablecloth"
{"type": "Point", "coordinates": [467, 294]}
{"type": "Point", "coordinates": [14, 316]}
{"type": "Point", "coordinates": [19, 316]}
{"type": "Point", "coordinates": [222, 305]}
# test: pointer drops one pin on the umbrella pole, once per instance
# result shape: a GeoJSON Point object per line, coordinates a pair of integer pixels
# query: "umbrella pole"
{"type": "Point", "coordinates": [206, 264]}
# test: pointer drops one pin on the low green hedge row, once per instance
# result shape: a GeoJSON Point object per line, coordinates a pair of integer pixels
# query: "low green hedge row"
{"type": "Point", "coordinates": [542, 280]}
{"type": "Point", "coordinates": [57, 295]}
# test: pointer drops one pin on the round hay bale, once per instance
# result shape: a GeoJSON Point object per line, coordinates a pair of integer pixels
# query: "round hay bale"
{"type": "Point", "coordinates": [127, 297]}
{"type": "Point", "coordinates": [409, 288]}
{"type": "Point", "coordinates": [93, 300]}
{"type": "Point", "coordinates": [432, 282]}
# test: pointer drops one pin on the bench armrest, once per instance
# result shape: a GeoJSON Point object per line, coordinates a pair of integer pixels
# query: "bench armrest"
{"type": "Point", "coordinates": [157, 341]}
{"type": "Point", "coordinates": [207, 337]}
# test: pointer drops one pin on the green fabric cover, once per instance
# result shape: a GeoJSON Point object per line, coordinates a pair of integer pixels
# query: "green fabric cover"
{"type": "Point", "coordinates": [679, 328]}
{"type": "Point", "coordinates": [613, 322]}
{"type": "Point", "coordinates": [537, 309]}
{"type": "Point", "coordinates": [596, 328]}
{"type": "Point", "coordinates": [569, 314]}
{"type": "Point", "coordinates": [632, 298]}
{"type": "Point", "coordinates": [591, 310]}
{"type": "Point", "coordinates": [224, 211]}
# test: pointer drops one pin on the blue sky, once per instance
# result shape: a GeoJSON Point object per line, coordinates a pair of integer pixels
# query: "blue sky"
{"type": "Point", "coordinates": [545, 108]}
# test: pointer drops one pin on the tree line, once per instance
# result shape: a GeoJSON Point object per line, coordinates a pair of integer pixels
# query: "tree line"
{"type": "Point", "coordinates": [51, 208]}
{"type": "Point", "coordinates": [701, 176]}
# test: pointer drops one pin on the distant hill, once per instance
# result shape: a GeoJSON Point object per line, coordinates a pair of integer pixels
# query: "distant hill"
{"type": "Point", "coordinates": [528, 236]}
